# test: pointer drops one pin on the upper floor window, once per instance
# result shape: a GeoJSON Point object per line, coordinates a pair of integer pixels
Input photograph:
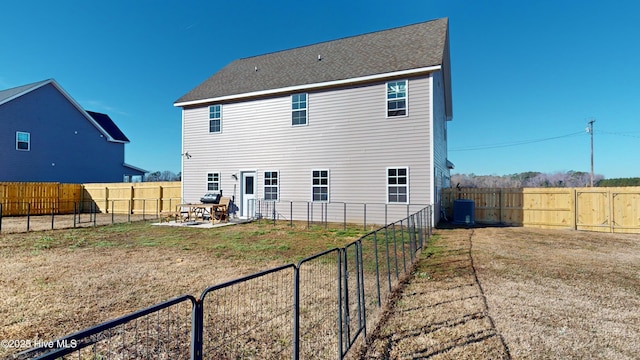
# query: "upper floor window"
{"type": "Point", "coordinates": [271, 185]}
{"type": "Point", "coordinates": [299, 109]}
{"type": "Point", "coordinates": [398, 185]}
{"type": "Point", "coordinates": [215, 118]}
{"type": "Point", "coordinates": [397, 98]}
{"type": "Point", "coordinates": [213, 182]}
{"type": "Point", "coordinates": [320, 185]}
{"type": "Point", "coordinates": [23, 141]}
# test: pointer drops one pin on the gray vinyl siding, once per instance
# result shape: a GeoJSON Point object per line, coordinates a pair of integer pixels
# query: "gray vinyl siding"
{"type": "Point", "coordinates": [347, 133]}
{"type": "Point", "coordinates": [441, 172]}
{"type": "Point", "coordinates": [65, 146]}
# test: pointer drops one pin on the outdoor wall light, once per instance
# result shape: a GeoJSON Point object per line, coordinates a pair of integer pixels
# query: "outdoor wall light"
{"type": "Point", "coordinates": [234, 177]}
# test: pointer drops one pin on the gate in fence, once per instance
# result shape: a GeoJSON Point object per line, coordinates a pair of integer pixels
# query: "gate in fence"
{"type": "Point", "coordinates": [319, 308]}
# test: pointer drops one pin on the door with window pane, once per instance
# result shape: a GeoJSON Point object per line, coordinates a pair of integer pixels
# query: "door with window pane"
{"type": "Point", "coordinates": [248, 194]}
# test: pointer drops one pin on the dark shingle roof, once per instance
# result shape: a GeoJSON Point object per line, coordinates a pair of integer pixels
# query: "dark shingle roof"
{"type": "Point", "coordinates": [102, 122]}
{"type": "Point", "coordinates": [404, 48]}
{"type": "Point", "coordinates": [108, 125]}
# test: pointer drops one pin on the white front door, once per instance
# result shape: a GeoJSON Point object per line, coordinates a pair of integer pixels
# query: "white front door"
{"type": "Point", "coordinates": [248, 191]}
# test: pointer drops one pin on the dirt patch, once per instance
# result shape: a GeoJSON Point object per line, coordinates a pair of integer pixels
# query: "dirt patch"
{"type": "Point", "coordinates": [518, 293]}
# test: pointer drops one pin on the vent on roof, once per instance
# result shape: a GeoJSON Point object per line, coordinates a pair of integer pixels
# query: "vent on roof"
{"type": "Point", "coordinates": [256, 68]}
{"type": "Point", "coordinates": [319, 57]}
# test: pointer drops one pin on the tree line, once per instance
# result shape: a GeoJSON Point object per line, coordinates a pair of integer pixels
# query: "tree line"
{"type": "Point", "coordinates": [162, 176]}
{"type": "Point", "coordinates": [539, 179]}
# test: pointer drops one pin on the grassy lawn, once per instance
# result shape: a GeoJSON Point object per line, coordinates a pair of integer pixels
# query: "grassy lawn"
{"type": "Point", "coordinates": [56, 282]}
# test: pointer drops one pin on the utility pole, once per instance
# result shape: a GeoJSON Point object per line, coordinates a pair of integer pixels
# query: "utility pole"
{"type": "Point", "coordinates": [590, 131]}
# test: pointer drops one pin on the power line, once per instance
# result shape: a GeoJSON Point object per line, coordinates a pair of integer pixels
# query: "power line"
{"type": "Point", "coordinates": [627, 134]}
{"type": "Point", "coordinates": [513, 143]}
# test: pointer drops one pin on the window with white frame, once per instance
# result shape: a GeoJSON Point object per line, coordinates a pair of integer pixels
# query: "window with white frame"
{"type": "Point", "coordinates": [271, 185]}
{"type": "Point", "coordinates": [215, 118]}
{"type": "Point", "coordinates": [320, 185]}
{"type": "Point", "coordinates": [398, 185]}
{"type": "Point", "coordinates": [23, 141]}
{"type": "Point", "coordinates": [298, 109]}
{"type": "Point", "coordinates": [213, 181]}
{"type": "Point", "coordinates": [397, 98]}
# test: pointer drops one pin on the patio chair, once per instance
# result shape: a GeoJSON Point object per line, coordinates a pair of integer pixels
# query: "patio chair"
{"type": "Point", "coordinates": [221, 211]}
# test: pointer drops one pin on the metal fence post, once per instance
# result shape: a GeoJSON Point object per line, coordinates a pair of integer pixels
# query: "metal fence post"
{"type": "Point", "coordinates": [420, 231]}
{"type": "Point", "coordinates": [28, 215]}
{"type": "Point", "coordinates": [75, 209]}
{"type": "Point", "coordinates": [274, 212]}
{"type": "Point", "coordinates": [340, 315]}
{"type": "Point", "coordinates": [404, 255]}
{"type": "Point", "coordinates": [129, 212]}
{"type": "Point", "coordinates": [296, 313]}
{"type": "Point", "coordinates": [344, 223]}
{"type": "Point", "coordinates": [326, 215]}
{"type": "Point", "coordinates": [197, 327]}
{"type": "Point", "coordinates": [395, 250]}
{"type": "Point", "coordinates": [345, 296]}
{"type": "Point", "coordinates": [386, 238]}
{"type": "Point", "coordinates": [308, 223]}
{"type": "Point", "coordinates": [385, 214]}
{"type": "Point", "coordinates": [53, 205]}
{"type": "Point", "coordinates": [290, 213]}
{"type": "Point", "coordinates": [144, 205]}
{"type": "Point", "coordinates": [365, 217]}
{"type": "Point", "coordinates": [362, 315]}
{"type": "Point", "coordinates": [0, 217]}
{"type": "Point", "coordinates": [95, 213]}
{"type": "Point", "coordinates": [375, 246]}
{"type": "Point", "coordinates": [411, 229]}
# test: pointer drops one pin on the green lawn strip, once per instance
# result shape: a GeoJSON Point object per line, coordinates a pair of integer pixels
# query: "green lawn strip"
{"type": "Point", "coordinates": [252, 241]}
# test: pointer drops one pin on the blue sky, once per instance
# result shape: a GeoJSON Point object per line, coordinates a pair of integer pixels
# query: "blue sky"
{"type": "Point", "coordinates": [527, 75]}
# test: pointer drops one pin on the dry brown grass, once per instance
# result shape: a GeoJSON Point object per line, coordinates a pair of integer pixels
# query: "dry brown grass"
{"type": "Point", "coordinates": [475, 294]}
{"type": "Point", "coordinates": [518, 293]}
{"type": "Point", "coordinates": [53, 283]}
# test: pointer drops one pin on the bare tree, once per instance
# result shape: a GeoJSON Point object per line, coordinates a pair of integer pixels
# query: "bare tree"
{"type": "Point", "coordinates": [525, 179]}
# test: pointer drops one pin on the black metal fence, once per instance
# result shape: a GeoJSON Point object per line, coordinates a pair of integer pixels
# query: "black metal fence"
{"type": "Point", "coordinates": [332, 213]}
{"type": "Point", "coordinates": [319, 308]}
{"type": "Point", "coordinates": [63, 215]}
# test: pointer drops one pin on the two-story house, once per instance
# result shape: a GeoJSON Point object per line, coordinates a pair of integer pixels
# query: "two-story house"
{"type": "Point", "coordinates": [357, 120]}
{"type": "Point", "coordinates": [45, 136]}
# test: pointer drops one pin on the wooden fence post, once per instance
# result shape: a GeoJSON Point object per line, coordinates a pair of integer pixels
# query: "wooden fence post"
{"type": "Point", "coordinates": [610, 209]}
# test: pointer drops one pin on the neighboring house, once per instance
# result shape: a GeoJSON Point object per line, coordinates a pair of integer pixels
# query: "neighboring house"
{"type": "Point", "coordinates": [357, 120]}
{"type": "Point", "coordinates": [45, 136]}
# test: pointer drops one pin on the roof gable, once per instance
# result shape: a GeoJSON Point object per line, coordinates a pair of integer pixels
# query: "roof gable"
{"type": "Point", "coordinates": [10, 94]}
{"type": "Point", "coordinates": [106, 123]}
{"type": "Point", "coordinates": [417, 46]}
{"type": "Point", "coordinates": [106, 126]}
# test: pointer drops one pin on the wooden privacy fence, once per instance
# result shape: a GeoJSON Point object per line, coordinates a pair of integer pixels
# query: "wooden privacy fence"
{"type": "Point", "coordinates": [118, 198]}
{"type": "Point", "coordinates": [134, 198]}
{"type": "Point", "coordinates": [38, 198]}
{"type": "Point", "coordinates": [606, 209]}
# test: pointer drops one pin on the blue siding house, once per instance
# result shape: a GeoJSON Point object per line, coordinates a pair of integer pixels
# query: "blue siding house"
{"type": "Point", "coordinates": [45, 136]}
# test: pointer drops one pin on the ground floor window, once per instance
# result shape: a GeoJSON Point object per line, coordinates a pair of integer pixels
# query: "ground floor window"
{"type": "Point", "coordinates": [320, 185]}
{"type": "Point", "coordinates": [271, 185]}
{"type": "Point", "coordinates": [213, 181]}
{"type": "Point", "coordinates": [398, 185]}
